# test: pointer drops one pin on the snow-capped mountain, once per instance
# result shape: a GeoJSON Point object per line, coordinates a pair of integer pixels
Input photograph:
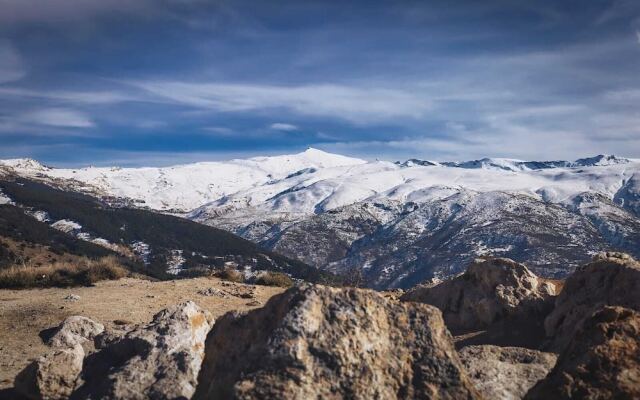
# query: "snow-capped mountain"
{"type": "Point", "coordinates": [394, 223]}
{"type": "Point", "coordinates": [182, 187]}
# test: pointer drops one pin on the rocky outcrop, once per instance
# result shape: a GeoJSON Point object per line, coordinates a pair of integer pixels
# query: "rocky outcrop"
{"type": "Point", "coordinates": [53, 376]}
{"type": "Point", "coordinates": [75, 330]}
{"type": "Point", "coordinates": [321, 342]}
{"type": "Point", "coordinates": [611, 279]}
{"type": "Point", "coordinates": [160, 360]}
{"type": "Point", "coordinates": [56, 374]}
{"type": "Point", "coordinates": [494, 292]}
{"type": "Point", "coordinates": [601, 361]}
{"type": "Point", "coordinates": [505, 372]}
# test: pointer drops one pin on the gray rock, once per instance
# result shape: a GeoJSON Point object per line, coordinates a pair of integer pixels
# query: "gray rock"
{"type": "Point", "coordinates": [75, 330]}
{"type": "Point", "coordinates": [611, 279]}
{"type": "Point", "coordinates": [160, 360]}
{"type": "Point", "coordinates": [72, 297]}
{"type": "Point", "coordinates": [53, 376]}
{"type": "Point", "coordinates": [213, 292]}
{"type": "Point", "coordinates": [318, 342]}
{"type": "Point", "coordinates": [505, 373]}
{"type": "Point", "coordinates": [495, 294]}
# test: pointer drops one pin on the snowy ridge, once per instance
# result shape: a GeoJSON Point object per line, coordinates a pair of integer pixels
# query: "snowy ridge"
{"type": "Point", "coordinates": [397, 223]}
{"type": "Point", "coordinates": [182, 187]}
{"type": "Point", "coordinates": [315, 181]}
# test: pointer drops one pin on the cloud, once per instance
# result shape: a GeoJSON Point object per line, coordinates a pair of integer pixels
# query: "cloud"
{"type": "Point", "coordinates": [61, 11]}
{"type": "Point", "coordinates": [57, 117]}
{"type": "Point", "coordinates": [280, 126]}
{"type": "Point", "coordinates": [219, 130]}
{"type": "Point", "coordinates": [80, 97]}
{"type": "Point", "coordinates": [11, 64]}
{"type": "Point", "coordinates": [360, 105]}
{"type": "Point", "coordinates": [638, 36]}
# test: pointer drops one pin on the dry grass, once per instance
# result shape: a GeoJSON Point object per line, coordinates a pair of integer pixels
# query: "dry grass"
{"type": "Point", "coordinates": [230, 274]}
{"type": "Point", "coordinates": [85, 272]}
{"type": "Point", "coordinates": [269, 278]}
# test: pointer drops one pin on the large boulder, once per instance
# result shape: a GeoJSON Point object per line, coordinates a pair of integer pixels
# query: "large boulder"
{"type": "Point", "coordinates": [318, 342]}
{"type": "Point", "coordinates": [601, 361]}
{"type": "Point", "coordinates": [505, 372]}
{"type": "Point", "coordinates": [160, 360]}
{"type": "Point", "coordinates": [75, 330]}
{"type": "Point", "coordinates": [53, 376]}
{"type": "Point", "coordinates": [611, 279]}
{"type": "Point", "coordinates": [496, 293]}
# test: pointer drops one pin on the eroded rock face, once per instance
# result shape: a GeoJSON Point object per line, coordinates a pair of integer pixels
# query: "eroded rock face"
{"type": "Point", "coordinates": [160, 360]}
{"type": "Point", "coordinates": [505, 372]}
{"type": "Point", "coordinates": [321, 342]}
{"type": "Point", "coordinates": [601, 361]}
{"type": "Point", "coordinates": [491, 291]}
{"type": "Point", "coordinates": [611, 279]}
{"type": "Point", "coordinates": [75, 330]}
{"type": "Point", "coordinates": [53, 376]}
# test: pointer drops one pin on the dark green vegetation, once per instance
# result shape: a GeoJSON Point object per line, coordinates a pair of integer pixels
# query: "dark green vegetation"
{"type": "Point", "coordinates": [269, 278]}
{"type": "Point", "coordinates": [203, 247]}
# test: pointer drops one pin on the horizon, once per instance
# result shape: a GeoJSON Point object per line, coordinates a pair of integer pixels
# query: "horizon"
{"type": "Point", "coordinates": [168, 82]}
{"type": "Point", "coordinates": [106, 164]}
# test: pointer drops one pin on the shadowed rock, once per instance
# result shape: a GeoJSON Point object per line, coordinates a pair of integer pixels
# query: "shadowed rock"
{"type": "Point", "coordinates": [321, 342]}
{"type": "Point", "coordinates": [505, 372]}
{"type": "Point", "coordinates": [601, 361]}
{"type": "Point", "coordinates": [160, 360]}
{"type": "Point", "coordinates": [497, 295]}
{"type": "Point", "coordinates": [53, 376]}
{"type": "Point", "coordinates": [611, 279]}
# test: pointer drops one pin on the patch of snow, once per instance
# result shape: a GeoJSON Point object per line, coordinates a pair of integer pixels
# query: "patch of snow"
{"type": "Point", "coordinates": [142, 250]}
{"type": "Point", "coordinates": [41, 216]}
{"type": "Point", "coordinates": [175, 262]}
{"type": "Point", "coordinates": [67, 226]}
{"type": "Point", "coordinates": [4, 199]}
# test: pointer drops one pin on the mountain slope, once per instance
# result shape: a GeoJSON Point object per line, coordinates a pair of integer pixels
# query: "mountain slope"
{"type": "Point", "coordinates": [162, 245]}
{"type": "Point", "coordinates": [181, 187]}
{"type": "Point", "coordinates": [393, 223]}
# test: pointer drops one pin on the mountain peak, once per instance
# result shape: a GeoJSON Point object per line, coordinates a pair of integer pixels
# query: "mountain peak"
{"type": "Point", "coordinates": [24, 163]}
{"type": "Point", "coordinates": [601, 159]}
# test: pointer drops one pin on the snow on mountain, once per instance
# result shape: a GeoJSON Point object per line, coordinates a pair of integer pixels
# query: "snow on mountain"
{"type": "Point", "coordinates": [326, 189]}
{"type": "Point", "coordinates": [183, 187]}
{"type": "Point", "coordinates": [396, 223]}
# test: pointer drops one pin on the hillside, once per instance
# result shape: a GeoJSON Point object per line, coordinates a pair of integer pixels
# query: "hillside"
{"type": "Point", "coordinates": [158, 245]}
{"type": "Point", "coordinates": [389, 224]}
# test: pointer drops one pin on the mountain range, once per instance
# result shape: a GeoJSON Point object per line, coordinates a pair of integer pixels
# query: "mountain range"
{"type": "Point", "coordinates": [384, 223]}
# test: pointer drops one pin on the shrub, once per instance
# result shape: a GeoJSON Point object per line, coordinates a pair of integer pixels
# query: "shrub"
{"type": "Point", "coordinates": [269, 278]}
{"type": "Point", "coordinates": [85, 272]}
{"type": "Point", "coordinates": [231, 274]}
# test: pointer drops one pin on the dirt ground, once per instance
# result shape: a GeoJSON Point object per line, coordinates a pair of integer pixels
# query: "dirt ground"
{"type": "Point", "coordinates": [26, 313]}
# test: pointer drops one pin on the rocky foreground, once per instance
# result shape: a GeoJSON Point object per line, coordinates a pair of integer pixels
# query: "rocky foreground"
{"type": "Point", "coordinates": [321, 342]}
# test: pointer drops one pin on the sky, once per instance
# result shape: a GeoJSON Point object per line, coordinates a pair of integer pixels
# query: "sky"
{"type": "Point", "coordinates": [160, 82]}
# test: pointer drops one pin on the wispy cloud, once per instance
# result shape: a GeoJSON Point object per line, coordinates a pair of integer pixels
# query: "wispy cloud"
{"type": "Point", "coordinates": [12, 67]}
{"type": "Point", "coordinates": [352, 103]}
{"type": "Point", "coordinates": [57, 117]}
{"type": "Point", "coordinates": [281, 126]}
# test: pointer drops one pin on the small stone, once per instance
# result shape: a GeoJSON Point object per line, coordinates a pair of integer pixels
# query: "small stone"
{"type": "Point", "coordinates": [213, 292]}
{"type": "Point", "coordinates": [72, 297]}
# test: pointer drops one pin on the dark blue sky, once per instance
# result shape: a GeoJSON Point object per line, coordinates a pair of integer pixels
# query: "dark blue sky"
{"type": "Point", "coordinates": [159, 82]}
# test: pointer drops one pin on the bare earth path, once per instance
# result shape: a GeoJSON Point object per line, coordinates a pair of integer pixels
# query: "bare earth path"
{"type": "Point", "coordinates": [25, 313]}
